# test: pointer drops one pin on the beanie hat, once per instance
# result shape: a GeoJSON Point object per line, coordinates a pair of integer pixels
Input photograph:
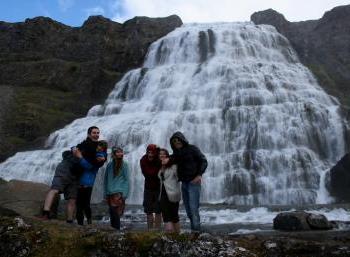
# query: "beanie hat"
{"type": "Point", "coordinates": [152, 148]}
{"type": "Point", "coordinates": [117, 148]}
{"type": "Point", "coordinates": [103, 144]}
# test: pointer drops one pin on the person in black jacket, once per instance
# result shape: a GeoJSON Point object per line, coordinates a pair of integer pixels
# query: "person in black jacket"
{"type": "Point", "coordinates": [191, 164]}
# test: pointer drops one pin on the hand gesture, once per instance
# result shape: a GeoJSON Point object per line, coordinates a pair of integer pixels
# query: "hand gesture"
{"type": "Point", "coordinates": [100, 159]}
{"type": "Point", "coordinates": [197, 180]}
{"type": "Point", "coordinates": [77, 153]}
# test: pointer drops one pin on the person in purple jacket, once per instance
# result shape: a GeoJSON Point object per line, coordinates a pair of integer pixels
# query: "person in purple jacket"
{"type": "Point", "coordinates": [87, 181]}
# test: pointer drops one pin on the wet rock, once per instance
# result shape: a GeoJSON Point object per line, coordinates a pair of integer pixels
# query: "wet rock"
{"type": "Point", "coordinates": [291, 221]}
{"type": "Point", "coordinates": [300, 220]}
{"type": "Point", "coordinates": [318, 221]}
{"type": "Point", "coordinates": [339, 183]}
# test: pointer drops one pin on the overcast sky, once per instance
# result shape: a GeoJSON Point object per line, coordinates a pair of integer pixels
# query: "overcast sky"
{"type": "Point", "coordinates": [74, 12]}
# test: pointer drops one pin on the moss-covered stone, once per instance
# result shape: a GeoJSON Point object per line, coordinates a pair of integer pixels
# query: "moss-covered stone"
{"type": "Point", "coordinates": [330, 83]}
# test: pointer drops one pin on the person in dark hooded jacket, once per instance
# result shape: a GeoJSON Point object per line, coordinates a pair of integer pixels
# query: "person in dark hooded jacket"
{"type": "Point", "coordinates": [191, 164]}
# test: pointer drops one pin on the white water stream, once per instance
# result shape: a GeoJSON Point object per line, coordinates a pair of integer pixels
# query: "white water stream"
{"type": "Point", "coordinates": [238, 92]}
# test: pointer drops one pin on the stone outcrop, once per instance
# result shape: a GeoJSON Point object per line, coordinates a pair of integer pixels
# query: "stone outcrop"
{"type": "Point", "coordinates": [22, 197]}
{"type": "Point", "coordinates": [339, 180]}
{"type": "Point", "coordinates": [300, 220]}
{"type": "Point", "coordinates": [51, 74]}
{"type": "Point", "coordinates": [322, 45]}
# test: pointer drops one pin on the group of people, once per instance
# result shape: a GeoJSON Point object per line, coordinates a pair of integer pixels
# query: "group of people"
{"type": "Point", "coordinates": [167, 178]}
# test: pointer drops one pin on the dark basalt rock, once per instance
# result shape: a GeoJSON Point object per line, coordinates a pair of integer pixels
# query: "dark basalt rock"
{"type": "Point", "coordinates": [322, 45]}
{"type": "Point", "coordinates": [339, 179]}
{"type": "Point", "coordinates": [300, 220]}
{"type": "Point", "coordinates": [318, 221]}
{"type": "Point", "coordinates": [51, 74]}
{"type": "Point", "coordinates": [291, 221]}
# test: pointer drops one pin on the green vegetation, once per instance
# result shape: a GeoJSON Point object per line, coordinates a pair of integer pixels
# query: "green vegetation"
{"type": "Point", "coordinates": [330, 83]}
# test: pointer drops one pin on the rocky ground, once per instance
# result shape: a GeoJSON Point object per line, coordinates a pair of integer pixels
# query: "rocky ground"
{"type": "Point", "coordinates": [22, 234]}
{"type": "Point", "coordinates": [31, 237]}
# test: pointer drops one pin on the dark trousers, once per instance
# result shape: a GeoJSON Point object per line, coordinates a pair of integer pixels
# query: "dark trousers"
{"type": "Point", "coordinates": [170, 210]}
{"type": "Point", "coordinates": [83, 204]}
{"type": "Point", "coordinates": [115, 218]}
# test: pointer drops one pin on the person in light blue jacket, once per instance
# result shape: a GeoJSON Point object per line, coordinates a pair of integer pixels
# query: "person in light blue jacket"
{"type": "Point", "coordinates": [116, 186]}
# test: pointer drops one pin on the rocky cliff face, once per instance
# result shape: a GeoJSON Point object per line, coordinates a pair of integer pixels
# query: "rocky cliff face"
{"type": "Point", "coordinates": [51, 74]}
{"type": "Point", "coordinates": [323, 45]}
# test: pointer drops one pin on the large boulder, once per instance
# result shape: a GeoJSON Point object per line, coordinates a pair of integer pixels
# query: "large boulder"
{"type": "Point", "coordinates": [22, 197]}
{"type": "Point", "coordinates": [300, 220]}
{"type": "Point", "coordinates": [339, 180]}
{"type": "Point", "coordinates": [51, 74]}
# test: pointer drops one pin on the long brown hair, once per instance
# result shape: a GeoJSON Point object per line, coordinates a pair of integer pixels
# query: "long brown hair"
{"type": "Point", "coordinates": [117, 166]}
{"type": "Point", "coordinates": [118, 162]}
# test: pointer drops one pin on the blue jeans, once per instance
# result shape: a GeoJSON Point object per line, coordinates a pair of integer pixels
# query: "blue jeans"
{"type": "Point", "coordinates": [190, 196]}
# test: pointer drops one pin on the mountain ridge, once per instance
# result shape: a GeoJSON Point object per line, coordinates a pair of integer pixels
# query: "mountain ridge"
{"type": "Point", "coordinates": [51, 73]}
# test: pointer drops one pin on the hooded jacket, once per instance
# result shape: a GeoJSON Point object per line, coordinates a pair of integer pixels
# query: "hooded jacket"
{"type": "Point", "coordinates": [66, 167]}
{"type": "Point", "coordinates": [190, 161]}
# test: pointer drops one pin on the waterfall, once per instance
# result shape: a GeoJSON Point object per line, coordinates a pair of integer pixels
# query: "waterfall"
{"type": "Point", "coordinates": [238, 92]}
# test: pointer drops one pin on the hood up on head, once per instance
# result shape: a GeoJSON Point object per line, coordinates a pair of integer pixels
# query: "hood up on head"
{"type": "Point", "coordinates": [181, 137]}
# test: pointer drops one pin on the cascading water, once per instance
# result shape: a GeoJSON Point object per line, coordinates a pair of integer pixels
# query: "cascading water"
{"type": "Point", "coordinates": [238, 92]}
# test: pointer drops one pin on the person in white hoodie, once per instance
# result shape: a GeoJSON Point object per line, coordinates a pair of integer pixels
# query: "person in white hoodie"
{"type": "Point", "coordinates": [170, 193]}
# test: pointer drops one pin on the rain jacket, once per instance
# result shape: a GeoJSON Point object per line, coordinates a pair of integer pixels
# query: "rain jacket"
{"type": "Point", "coordinates": [190, 161]}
